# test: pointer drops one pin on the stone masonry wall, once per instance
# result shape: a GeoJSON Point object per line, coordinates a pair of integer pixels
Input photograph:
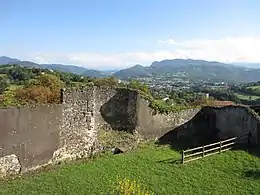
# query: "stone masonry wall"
{"type": "Point", "coordinates": [154, 126]}
{"type": "Point", "coordinates": [212, 124]}
{"type": "Point", "coordinates": [31, 134]}
{"type": "Point", "coordinates": [77, 129]}
{"type": "Point", "coordinates": [237, 121]}
{"type": "Point", "coordinates": [124, 109]}
{"type": "Point", "coordinates": [115, 109]}
{"type": "Point", "coordinates": [31, 137]}
{"type": "Point", "coordinates": [88, 110]}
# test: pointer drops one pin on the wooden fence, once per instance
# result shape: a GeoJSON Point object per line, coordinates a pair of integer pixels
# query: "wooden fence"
{"type": "Point", "coordinates": [207, 150]}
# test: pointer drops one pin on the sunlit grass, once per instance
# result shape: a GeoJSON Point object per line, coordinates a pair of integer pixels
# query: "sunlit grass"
{"type": "Point", "coordinates": [154, 169]}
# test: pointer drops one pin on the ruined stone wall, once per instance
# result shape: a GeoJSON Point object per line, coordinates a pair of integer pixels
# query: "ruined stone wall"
{"type": "Point", "coordinates": [212, 124]}
{"type": "Point", "coordinates": [196, 131]}
{"type": "Point", "coordinates": [115, 109]}
{"type": "Point", "coordinates": [237, 121]}
{"type": "Point", "coordinates": [32, 134]}
{"type": "Point", "coordinates": [49, 134]}
{"type": "Point", "coordinates": [77, 128]}
{"type": "Point", "coordinates": [124, 109]}
{"type": "Point", "coordinates": [89, 110]}
{"type": "Point", "coordinates": [154, 126]}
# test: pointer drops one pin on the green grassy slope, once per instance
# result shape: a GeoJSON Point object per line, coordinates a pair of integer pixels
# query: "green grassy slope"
{"type": "Point", "coordinates": [242, 96]}
{"type": "Point", "coordinates": [233, 172]}
{"type": "Point", "coordinates": [255, 89]}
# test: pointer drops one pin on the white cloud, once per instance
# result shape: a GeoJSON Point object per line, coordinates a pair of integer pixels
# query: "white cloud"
{"type": "Point", "coordinates": [168, 41]}
{"type": "Point", "coordinates": [242, 49]}
{"type": "Point", "coordinates": [245, 49]}
{"type": "Point", "coordinates": [105, 61]}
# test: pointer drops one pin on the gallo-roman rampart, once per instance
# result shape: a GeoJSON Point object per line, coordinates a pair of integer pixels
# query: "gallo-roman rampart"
{"type": "Point", "coordinates": [31, 137]}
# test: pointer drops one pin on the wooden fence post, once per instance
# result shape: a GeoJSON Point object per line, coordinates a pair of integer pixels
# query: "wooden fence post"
{"type": "Point", "coordinates": [182, 157]}
{"type": "Point", "coordinates": [220, 146]}
{"type": "Point", "coordinates": [203, 149]}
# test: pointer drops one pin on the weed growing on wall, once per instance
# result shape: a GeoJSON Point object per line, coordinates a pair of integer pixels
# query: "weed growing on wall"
{"type": "Point", "coordinates": [162, 107]}
{"type": "Point", "coordinates": [113, 138]}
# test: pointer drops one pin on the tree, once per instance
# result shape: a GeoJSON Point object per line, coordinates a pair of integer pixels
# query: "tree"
{"type": "Point", "coordinates": [110, 81]}
{"type": "Point", "coordinates": [19, 74]}
{"type": "Point", "coordinates": [134, 84]}
{"type": "Point", "coordinates": [37, 95]}
{"type": "Point", "coordinates": [8, 98]}
{"type": "Point", "coordinates": [3, 85]}
{"type": "Point", "coordinates": [45, 89]}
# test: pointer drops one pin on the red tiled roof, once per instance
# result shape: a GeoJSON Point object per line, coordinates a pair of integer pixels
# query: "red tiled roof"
{"type": "Point", "coordinates": [223, 103]}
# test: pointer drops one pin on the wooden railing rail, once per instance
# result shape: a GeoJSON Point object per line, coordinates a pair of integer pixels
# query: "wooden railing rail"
{"type": "Point", "coordinates": [208, 150]}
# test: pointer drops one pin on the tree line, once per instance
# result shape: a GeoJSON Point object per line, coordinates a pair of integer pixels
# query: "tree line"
{"type": "Point", "coordinates": [21, 86]}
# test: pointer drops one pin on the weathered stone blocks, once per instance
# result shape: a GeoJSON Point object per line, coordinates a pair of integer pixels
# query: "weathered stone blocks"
{"type": "Point", "coordinates": [9, 166]}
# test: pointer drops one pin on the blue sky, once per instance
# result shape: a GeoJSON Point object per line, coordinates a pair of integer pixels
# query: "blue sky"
{"type": "Point", "coordinates": [119, 33]}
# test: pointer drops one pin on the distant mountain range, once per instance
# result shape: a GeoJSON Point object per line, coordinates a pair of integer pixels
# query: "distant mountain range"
{"type": "Point", "coordinates": [7, 60]}
{"type": "Point", "coordinates": [247, 64]}
{"type": "Point", "coordinates": [193, 69]}
{"type": "Point", "coordinates": [59, 67]}
{"type": "Point", "coordinates": [185, 68]}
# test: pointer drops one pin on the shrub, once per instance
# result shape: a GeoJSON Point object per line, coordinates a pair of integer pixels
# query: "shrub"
{"type": "Point", "coordinates": [8, 99]}
{"type": "Point", "coordinates": [38, 95]}
{"type": "Point", "coordinates": [45, 89]}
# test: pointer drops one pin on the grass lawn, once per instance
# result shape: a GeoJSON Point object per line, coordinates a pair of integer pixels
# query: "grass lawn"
{"type": "Point", "coordinates": [246, 96]}
{"type": "Point", "coordinates": [232, 172]}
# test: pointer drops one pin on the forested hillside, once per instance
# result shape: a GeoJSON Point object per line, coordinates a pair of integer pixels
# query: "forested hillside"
{"type": "Point", "coordinates": [58, 67]}
{"type": "Point", "coordinates": [194, 70]}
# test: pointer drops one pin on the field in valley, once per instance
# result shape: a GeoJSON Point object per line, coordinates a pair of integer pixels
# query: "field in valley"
{"type": "Point", "coordinates": [253, 93]}
{"type": "Point", "coordinates": [243, 96]}
{"type": "Point", "coordinates": [256, 88]}
{"type": "Point", "coordinates": [156, 169]}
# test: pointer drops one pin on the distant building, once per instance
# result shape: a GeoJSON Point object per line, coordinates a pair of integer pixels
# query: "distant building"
{"type": "Point", "coordinates": [204, 95]}
{"type": "Point", "coordinates": [166, 98]}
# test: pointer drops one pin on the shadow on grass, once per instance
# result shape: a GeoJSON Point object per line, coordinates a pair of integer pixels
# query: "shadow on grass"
{"type": "Point", "coordinates": [253, 150]}
{"type": "Point", "coordinates": [171, 161]}
{"type": "Point", "coordinates": [253, 174]}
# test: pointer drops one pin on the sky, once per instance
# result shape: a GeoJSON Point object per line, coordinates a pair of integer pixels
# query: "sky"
{"type": "Point", "coordinates": [115, 34]}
